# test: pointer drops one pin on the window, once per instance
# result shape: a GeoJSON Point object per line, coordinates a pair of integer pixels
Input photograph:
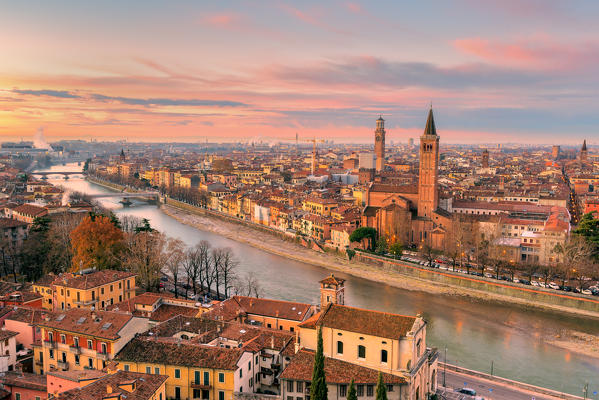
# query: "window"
{"type": "Point", "coordinates": [290, 386]}
{"type": "Point", "coordinates": [196, 378]}
{"type": "Point", "coordinates": [148, 370]}
{"type": "Point", "coordinates": [369, 390]}
{"type": "Point", "coordinates": [157, 370]}
{"type": "Point", "coordinates": [51, 353]}
{"type": "Point", "coordinates": [127, 369]}
{"type": "Point", "coordinates": [206, 378]}
{"type": "Point", "coordinates": [249, 365]}
{"type": "Point", "coordinates": [63, 339]}
{"type": "Point", "coordinates": [177, 374]}
{"type": "Point", "coordinates": [300, 386]}
{"type": "Point", "coordinates": [361, 351]}
{"type": "Point", "coordinates": [383, 356]}
{"type": "Point", "coordinates": [221, 377]}
{"type": "Point", "coordinates": [342, 390]}
{"type": "Point", "coordinates": [90, 344]}
{"type": "Point", "coordinates": [177, 392]}
{"type": "Point", "coordinates": [90, 362]}
{"type": "Point", "coordinates": [103, 348]}
{"type": "Point", "coordinates": [101, 290]}
{"type": "Point", "coordinates": [17, 396]}
{"type": "Point", "coordinates": [360, 390]}
{"type": "Point", "coordinates": [339, 347]}
{"type": "Point", "coordinates": [221, 395]}
{"type": "Point", "coordinates": [75, 342]}
{"type": "Point", "coordinates": [241, 373]}
{"type": "Point", "coordinates": [111, 288]}
{"type": "Point", "coordinates": [120, 285]}
{"type": "Point", "coordinates": [93, 295]}
{"type": "Point", "coordinates": [77, 359]}
{"type": "Point", "coordinates": [389, 388]}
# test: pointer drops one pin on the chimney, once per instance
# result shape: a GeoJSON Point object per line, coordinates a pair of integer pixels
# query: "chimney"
{"type": "Point", "coordinates": [272, 342]}
{"type": "Point", "coordinates": [108, 389]}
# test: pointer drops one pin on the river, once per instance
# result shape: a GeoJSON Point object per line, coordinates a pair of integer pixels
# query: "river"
{"type": "Point", "coordinates": [475, 333]}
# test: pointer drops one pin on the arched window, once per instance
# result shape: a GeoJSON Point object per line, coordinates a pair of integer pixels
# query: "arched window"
{"type": "Point", "coordinates": [339, 347]}
{"type": "Point", "coordinates": [383, 356]}
{"type": "Point", "coordinates": [361, 351]}
{"type": "Point", "coordinates": [418, 347]}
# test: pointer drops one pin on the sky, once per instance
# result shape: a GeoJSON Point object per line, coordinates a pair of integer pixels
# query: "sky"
{"type": "Point", "coordinates": [494, 71]}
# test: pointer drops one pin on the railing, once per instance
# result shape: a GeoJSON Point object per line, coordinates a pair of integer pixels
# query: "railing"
{"type": "Point", "coordinates": [64, 365]}
{"type": "Point", "coordinates": [75, 349]}
{"type": "Point", "coordinates": [50, 343]}
{"type": "Point", "coordinates": [199, 385]}
{"type": "Point", "coordinates": [102, 355]}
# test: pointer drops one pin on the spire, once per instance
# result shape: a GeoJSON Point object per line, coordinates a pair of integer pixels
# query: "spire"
{"type": "Point", "coordinates": [430, 124]}
{"type": "Point", "coordinates": [584, 145]}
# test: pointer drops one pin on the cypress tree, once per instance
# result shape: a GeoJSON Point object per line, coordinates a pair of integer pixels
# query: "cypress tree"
{"type": "Point", "coordinates": [381, 389]}
{"type": "Point", "coordinates": [351, 393]}
{"type": "Point", "coordinates": [318, 390]}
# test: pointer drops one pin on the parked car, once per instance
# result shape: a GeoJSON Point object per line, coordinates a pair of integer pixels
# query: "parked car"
{"type": "Point", "coordinates": [553, 285]}
{"type": "Point", "coordinates": [525, 282]}
{"type": "Point", "coordinates": [468, 391]}
{"type": "Point", "coordinates": [535, 283]}
{"type": "Point", "coordinates": [586, 291]}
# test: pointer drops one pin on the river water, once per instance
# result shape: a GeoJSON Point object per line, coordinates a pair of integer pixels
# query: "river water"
{"type": "Point", "coordinates": [475, 333]}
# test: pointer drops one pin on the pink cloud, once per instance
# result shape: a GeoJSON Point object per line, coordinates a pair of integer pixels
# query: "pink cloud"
{"type": "Point", "coordinates": [542, 52]}
{"type": "Point", "coordinates": [222, 20]}
{"type": "Point", "coordinates": [355, 8]}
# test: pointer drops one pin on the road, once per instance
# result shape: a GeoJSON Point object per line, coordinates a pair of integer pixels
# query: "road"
{"type": "Point", "coordinates": [486, 389]}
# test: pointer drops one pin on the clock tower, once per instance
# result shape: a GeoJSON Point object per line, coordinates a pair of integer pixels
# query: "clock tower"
{"type": "Point", "coordinates": [379, 144]}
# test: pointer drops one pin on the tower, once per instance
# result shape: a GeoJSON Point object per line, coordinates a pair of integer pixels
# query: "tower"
{"type": "Point", "coordinates": [555, 150]}
{"type": "Point", "coordinates": [379, 144]}
{"type": "Point", "coordinates": [583, 152]}
{"type": "Point", "coordinates": [428, 190]}
{"type": "Point", "coordinates": [332, 290]}
{"type": "Point", "coordinates": [485, 158]}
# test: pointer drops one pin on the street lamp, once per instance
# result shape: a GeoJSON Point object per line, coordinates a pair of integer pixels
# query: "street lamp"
{"type": "Point", "coordinates": [444, 366]}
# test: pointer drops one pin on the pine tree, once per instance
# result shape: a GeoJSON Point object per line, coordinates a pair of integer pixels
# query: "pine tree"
{"type": "Point", "coordinates": [351, 393]}
{"type": "Point", "coordinates": [318, 390]}
{"type": "Point", "coordinates": [381, 389]}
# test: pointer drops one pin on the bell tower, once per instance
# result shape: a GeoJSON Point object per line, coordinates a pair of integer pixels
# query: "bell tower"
{"type": "Point", "coordinates": [332, 290]}
{"type": "Point", "coordinates": [379, 144]}
{"type": "Point", "coordinates": [428, 179]}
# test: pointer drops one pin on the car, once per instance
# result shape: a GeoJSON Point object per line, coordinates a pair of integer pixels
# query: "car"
{"type": "Point", "coordinates": [586, 291]}
{"type": "Point", "coordinates": [525, 282]}
{"type": "Point", "coordinates": [164, 278]}
{"type": "Point", "coordinates": [595, 292]}
{"type": "Point", "coordinates": [553, 285]}
{"type": "Point", "coordinates": [468, 391]}
{"type": "Point", "coordinates": [566, 288]}
{"type": "Point", "coordinates": [535, 283]}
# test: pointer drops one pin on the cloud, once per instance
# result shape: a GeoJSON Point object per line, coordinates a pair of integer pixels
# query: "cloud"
{"type": "Point", "coordinates": [50, 93]}
{"type": "Point", "coordinates": [167, 101]}
{"type": "Point", "coordinates": [355, 8]}
{"type": "Point", "coordinates": [222, 20]}
{"type": "Point", "coordinates": [543, 53]}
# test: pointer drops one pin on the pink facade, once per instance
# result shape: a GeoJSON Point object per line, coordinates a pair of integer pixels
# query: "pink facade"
{"type": "Point", "coordinates": [27, 333]}
{"type": "Point", "coordinates": [58, 385]}
{"type": "Point", "coordinates": [26, 394]}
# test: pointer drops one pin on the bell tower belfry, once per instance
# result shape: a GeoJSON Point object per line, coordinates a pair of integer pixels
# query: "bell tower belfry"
{"type": "Point", "coordinates": [428, 179]}
{"type": "Point", "coordinates": [332, 290]}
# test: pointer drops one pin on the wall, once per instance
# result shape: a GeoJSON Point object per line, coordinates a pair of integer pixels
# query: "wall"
{"type": "Point", "coordinates": [546, 298]}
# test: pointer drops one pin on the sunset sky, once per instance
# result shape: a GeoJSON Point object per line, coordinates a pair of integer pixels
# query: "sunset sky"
{"type": "Point", "coordinates": [495, 71]}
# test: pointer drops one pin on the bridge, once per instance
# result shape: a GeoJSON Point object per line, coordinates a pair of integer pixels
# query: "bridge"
{"type": "Point", "coordinates": [64, 173]}
{"type": "Point", "coordinates": [125, 195]}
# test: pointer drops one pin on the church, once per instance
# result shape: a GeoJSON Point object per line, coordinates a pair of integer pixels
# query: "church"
{"type": "Point", "coordinates": [409, 214]}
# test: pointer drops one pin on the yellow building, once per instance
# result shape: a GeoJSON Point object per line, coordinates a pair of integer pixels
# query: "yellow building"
{"type": "Point", "coordinates": [82, 339]}
{"type": "Point", "coordinates": [98, 289]}
{"type": "Point", "coordinates": [318, 206]}
{"type": "Point", "coordinates": [194, 371]}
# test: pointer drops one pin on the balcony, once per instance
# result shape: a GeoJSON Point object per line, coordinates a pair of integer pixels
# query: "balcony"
{"type": "Point", "coordinates": [50, 343]}
{"type": "Point", "coordinates": [75, 349]}
{"type": "Point", "coordinates": [102, 356]}
{"type": "Point", "coordinates": [39, 363]}
{"type": "Point", "coordinates": [199, 385]}
{"type": "Point", "coordinates": [85, 302]}
{"type": "Point", "coordinates": [63, 365]}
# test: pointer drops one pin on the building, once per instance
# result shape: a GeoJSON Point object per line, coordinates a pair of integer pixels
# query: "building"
{"type": "Point", "coordinates": [24, 386]}
{"type": "Point", "coordinates": [12, 230]}
{"type": "Point", "coordinates": [332, 290]}
{"type": "Point", "coordinates": [88, 289]}
{"type": "Point", "coordinates": [80, 339]}
{"type": "Point", "coordinates": [555, 151]}
{"type": "Point", "coordinates": [61, 381]}
{"type": "Point", "coordinates": [194, 371]}
{"type": "Point", "coordinates": [24, 320]}
{"type": "Point", "coordinates": [485, 159]}
{"type": "Point", "coordinates": [119, 386]}
{"type": "Point", "coordinates": [390, 343]}
{"type": "Point", "coordinates": [379, 144]}
{"type": "Point", "coordinates": [584, 152]}
{"type": "Point", "coordinates": [28, 213]}
{"type": "Point", "coordinates": [8, 350]}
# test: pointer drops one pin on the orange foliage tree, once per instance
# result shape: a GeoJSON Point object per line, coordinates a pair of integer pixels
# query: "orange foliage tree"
{"type": "Point", "coordinates": [96, 243]}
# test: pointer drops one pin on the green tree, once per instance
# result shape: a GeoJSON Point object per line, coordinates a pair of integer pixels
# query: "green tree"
{"type": "Point", "coordinates": [396, 249]}
{"type": "Point", "coordinates": [362, 233]}
{"type": "Point", "coordinates": [588, 227]}
{"type": "Point", "coordinates": [318, 389]}
{"type": "Point", "coordinates": [86, 165]}
{"type": "Point", "coordinates": [381, 389]}
{"type": "Point", "coordinates": [144, 227]}
{"type": "Point", "coordinates": [382, 245]}
{"type": "Point", "coordinates": [351, 393]}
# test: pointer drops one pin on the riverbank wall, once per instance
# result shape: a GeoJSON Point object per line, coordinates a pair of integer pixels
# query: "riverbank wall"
{"type": "Point", "coordinates": [507, 382]}
{"type": "Point", "coordinates": [109, 185]}
{"type": "Point", "coordinates": [547, 297]}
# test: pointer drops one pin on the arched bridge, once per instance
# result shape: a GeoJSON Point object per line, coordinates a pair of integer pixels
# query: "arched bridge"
{"type": "Point", "coordinates": [125, 195]}
{"type": "Point", "coordinates": [65, 173]}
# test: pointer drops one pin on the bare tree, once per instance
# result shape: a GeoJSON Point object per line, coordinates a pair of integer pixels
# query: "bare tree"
{"type": "Point", "coordinates": [191, 266]}
{"type": "Point", "coordinates": [174, 260]}
{"type": "Point", "coordinates": [129, 223]}
{"type": "Point", "coordinates": [206, 270]}
{"type": "Point", "coordinates": [217, 256]}
{"type": "Point", "coordinates": [228, 269]}
{"type": "Point", "coordinates": [575, 254]}
{"type": "Point", "coordinates": [146, 254]}
{"type": "Point", "coordinates": [248, 286]}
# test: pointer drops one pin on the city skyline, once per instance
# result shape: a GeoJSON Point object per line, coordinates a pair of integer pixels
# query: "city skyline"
{"type": "Point", "coordinates": [496, 72]}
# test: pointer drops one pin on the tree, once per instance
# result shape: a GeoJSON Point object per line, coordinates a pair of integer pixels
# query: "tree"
{"type": "Point", "coordinates": [191, 266]}
{"type": "Point", "coordinates": [175, 255]}
{"type": "Point", "coordinates": [362, 233]}
{"type": "Point", "coordinates": [396, 249]}
{"type": "Point", "coordinates": [588, 227]}
{"type": "Point", "coordinates": [228, 269]}
{"type": "Point", "coordinates": [318, 389]}
{"type": "Point", "coordinates": [96, 242]}
{"type": "Point", "coordinates": [146, 254]}
{"type": "Point", "coordinates": [351, 392]}
{"type": "Point", "coordinates": [249, 286]}
{"type": "Point", "coordinates": [381, 245]}
{"type": "Point", "coordinates": [144, 226]}
{"type": "Point", "coordinates": [576, 253]}
{"type": "Point", "coordinates": [427, 251]}
{"type": "Point", "coordinates": [381, 389]}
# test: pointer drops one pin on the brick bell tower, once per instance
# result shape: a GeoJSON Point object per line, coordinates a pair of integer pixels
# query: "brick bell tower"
{"type": "Point", "coordinates": [332, 290]}
{"type": "Point", "coordinates": [428, 179]}
{"type": "Point", "coordinates": [379, 144]}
